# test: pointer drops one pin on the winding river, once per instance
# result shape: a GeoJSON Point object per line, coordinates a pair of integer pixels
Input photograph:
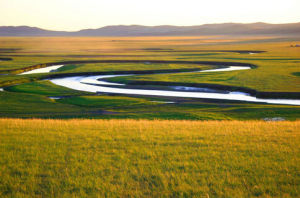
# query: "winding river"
{"type": "Point", "coordinates": [97, 84]}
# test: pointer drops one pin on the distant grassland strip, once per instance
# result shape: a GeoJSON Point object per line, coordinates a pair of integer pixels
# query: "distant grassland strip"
{"type": "Point", "coordinates": [216, 63]}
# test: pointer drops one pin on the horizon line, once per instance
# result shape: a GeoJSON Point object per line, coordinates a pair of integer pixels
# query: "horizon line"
{"type": "Point", "coordinates": [148, 25]}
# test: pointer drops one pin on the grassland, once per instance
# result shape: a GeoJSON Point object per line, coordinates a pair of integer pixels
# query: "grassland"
{"type": "Point", "coordinates": [137, 146]}
{"type": "Point", "coordinates": [275, 72]}
{"type": "Point", "coordinates": [140, 158]}
{"type": "Point", "coordinates": [26, 96]}
{"type": "Point", "coordinates": [31, 100]}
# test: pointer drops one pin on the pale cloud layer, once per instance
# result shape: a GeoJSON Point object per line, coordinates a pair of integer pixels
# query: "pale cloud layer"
{"type": "Point", "coordinates": [80, 14]}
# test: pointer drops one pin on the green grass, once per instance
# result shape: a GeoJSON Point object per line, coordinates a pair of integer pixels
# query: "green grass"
{"type": "Point", "coordinates": [105, 67]}
{"type": "Point", "coordinates": [277, 71]}
{"type": "Point", "coordinates": [139, 146]}
{"type": "Point", "coordinates": [297, 74]}
{"type": "Point", "coordinates": [107, 102]}
{"type": "Point", "coordinates": [267, 77]}
{"type": "Point", "coordinates": [129, 158]}
{"type": "Point", "coordinates": [29, 105]}
{"type": "Point", "coordinates": [44, 88]}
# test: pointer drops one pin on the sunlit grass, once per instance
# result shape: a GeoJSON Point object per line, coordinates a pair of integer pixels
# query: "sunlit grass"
{"type": "Point", "coordinates": [139, 158]}
{"type": "Point", "coordinates": [274, 73]}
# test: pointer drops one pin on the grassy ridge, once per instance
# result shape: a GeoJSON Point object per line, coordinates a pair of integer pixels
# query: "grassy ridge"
{"type": "Point", "coordinates": [124, 158]}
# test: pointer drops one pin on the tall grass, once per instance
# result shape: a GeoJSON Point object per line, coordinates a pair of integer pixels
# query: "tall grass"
{"type": "Point", "coordinates": [142, 158]}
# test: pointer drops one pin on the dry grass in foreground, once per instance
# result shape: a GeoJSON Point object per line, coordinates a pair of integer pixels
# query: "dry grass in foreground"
{"type": "Point", "coordinates": [141, 158]}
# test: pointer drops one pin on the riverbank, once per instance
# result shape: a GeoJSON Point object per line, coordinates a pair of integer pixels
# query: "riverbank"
{"type": "Point", "coordinates": [276, 72]}
{"type": "Point", "coordinates": [214, 64]}
{"type": "Point", "coordinates": [38, 66]}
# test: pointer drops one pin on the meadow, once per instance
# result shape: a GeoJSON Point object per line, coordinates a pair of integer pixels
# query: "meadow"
{"type": "Point", "coordinates": [59, 142]}
{"type": "Point", "coordinates": [142, 158]}
{"type": "Point", "coordinates": [275, 75]}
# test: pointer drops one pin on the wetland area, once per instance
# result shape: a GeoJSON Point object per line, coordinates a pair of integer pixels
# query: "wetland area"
{"type": "Point", "coordinates": [200, 81]}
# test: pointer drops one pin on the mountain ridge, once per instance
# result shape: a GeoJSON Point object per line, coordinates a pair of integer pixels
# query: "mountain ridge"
{"type": "Point", "coordinates": [258, 28]}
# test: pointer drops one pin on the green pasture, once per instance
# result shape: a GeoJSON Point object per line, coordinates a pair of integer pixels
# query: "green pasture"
{"type": "Point", "coordinates": [277, 71]}
{"type": "Point", "coordinates": [30, 100]}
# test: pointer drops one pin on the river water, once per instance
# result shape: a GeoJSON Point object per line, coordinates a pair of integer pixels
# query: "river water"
{"type": "Point", "coordinates": [43, 70]}
{"type": "Point", "coordinates": [96, 85]}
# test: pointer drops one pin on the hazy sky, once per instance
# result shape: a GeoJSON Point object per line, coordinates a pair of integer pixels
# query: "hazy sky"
{"type": "Point", "coordinates": [80, 14]}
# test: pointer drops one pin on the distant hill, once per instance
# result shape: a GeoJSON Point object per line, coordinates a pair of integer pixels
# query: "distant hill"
{"type": "Point", "coordinates": [291, 29]}
{"type": "Point", "coordinates": [28, 31]}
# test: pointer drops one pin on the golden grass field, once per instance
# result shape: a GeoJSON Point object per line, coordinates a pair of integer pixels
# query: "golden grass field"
{"type": "Point", "coordinates": [143, 158]}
